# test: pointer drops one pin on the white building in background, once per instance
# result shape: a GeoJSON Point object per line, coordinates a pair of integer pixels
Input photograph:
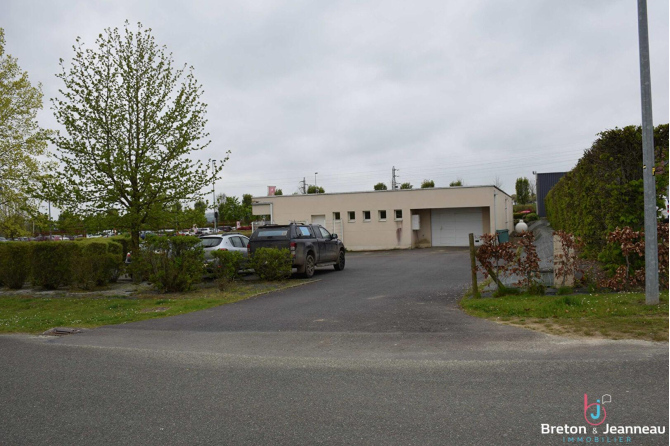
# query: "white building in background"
{"type": "Point", "coordinates": [399, 219]}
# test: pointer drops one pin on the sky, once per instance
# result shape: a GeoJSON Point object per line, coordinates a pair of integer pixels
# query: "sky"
{"type": "Point", "coordinates": [481, 91]}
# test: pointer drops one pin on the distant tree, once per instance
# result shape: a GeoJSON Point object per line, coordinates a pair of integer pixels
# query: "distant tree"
{"type": "Point", "coordinates": [132, 121]}
{"type": "Point", "coordinates": [279, 192]}
{"type": "Point", "coordinates": [22, 141]}
{"type": "Point", "coordinates": [427, 183]}
{"type": "Point", "coordinates": [312, 189]}
{"type": "Point", "coordinates": [522, 190]}
{"type": "Point", "coordinates": [380, 186]}
{"type": "Point", "coordinates": [456, 183]}
{"type": "Point", "coordinates": [200, 206]}
{"type": "Point", "coordinates": [532, 189]}
{"type": "Point", "coordinates": [70, 223]}
{"type": "Point", "coordinates": [231, 210]}
{"type": "Point", "coordinates": [406, 186]}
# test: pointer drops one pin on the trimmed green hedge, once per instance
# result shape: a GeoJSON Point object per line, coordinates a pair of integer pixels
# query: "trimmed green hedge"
{"type": "Point", "coordinates": [605, 190]}
{"type": "Point", "coordinates": [15, 258]}
{"type": "Point", "coordinates": [52, 265]}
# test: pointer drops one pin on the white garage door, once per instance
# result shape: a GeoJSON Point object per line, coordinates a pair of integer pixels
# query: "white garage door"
{"type": "Point", "coordinates": [450, 227]}
{"type": "Point", "coordinates": [319, 220]}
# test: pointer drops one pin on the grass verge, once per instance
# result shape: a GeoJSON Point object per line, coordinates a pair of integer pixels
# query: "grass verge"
{"type": "Point", "coordinates": [611, 315]}
{"type": "Point", "coordinates": [27, 313]}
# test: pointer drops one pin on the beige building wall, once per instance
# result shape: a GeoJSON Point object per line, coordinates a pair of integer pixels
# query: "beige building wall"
{"type": "Point", "coordinates": [391, 233]}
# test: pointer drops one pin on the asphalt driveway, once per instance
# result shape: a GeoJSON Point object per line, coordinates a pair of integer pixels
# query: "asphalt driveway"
{"type": "Point", "coordinates": [376, 354]}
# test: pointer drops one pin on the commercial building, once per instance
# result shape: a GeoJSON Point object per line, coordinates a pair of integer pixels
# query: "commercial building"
{"type": "Point", "coordinates": [398, 219]}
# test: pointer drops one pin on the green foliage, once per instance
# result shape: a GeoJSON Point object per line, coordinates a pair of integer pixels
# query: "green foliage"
{"type": "Point", "coordinates": [312, 189]}
{"type": "Point", "coordinates": [272, 264]}
{"type": "Point", "coordinates": [518, 215]}
{"type": "Point", "coordinates": [406, 186]}
{"type": "Point", "coordinates": [605, 190]}
{"type": "Point", "coordinates": [564, 290]}
{"type": "Point", "coordinates": [95, 265]}
{"type": "Point", "coordinates": [15, 260]}
{"type": "Point", "coordinates": [522, 190]}
{"type": "Point", "coordinates": [132, 121]}
{"type": "Point", "coordinates": [531, 217]}
{"type": "Point", "coordinates": [52, 264]}
{"type": "Point", "coordinates": [227, 265]}
{"type": "Point", "coordinates": [380, 186]}
{"type": "Point", "coordinates": [537, 289]}
{"type": "Point", "coordinates": [279, 192]}
{"type": "Point", "coordinates": [172, 264]}
{"type": "Point", "coordinates": [427, 184]}
{"type": "Point", "coordinates": [22, 141]}
{"type": "Point", "coordinates": [456, 183]}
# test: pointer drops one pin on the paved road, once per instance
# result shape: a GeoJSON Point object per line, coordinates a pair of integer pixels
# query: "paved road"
{"type": "Point", "coordinates": [376, 354]}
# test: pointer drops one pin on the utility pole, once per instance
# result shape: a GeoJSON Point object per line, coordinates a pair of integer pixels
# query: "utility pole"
{"type": "Point", "coordinates": [650, 231]}
{"type": "Point", "coordinates": [394, 183]}
{"type": "Point", "coordinates": [316, 189]}
{"type": "Point", "coordinates": [216, 212]}
{"type": "Point", "coordinates": [304, 186]}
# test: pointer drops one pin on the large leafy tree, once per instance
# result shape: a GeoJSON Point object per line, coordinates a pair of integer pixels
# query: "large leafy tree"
{"type": "Point", "coordinates": [427, 184]}
{"type": "Point", "coordinates": [406, 186]}
{"type": "Point", "coordinates": [22, 141]}
{"type": "Point", "coordinates": [132, 121]}
{"type": "Point", "coordinates": [380, 186]}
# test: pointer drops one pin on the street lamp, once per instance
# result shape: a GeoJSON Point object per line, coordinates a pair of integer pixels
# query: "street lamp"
{"type": "Point", "coordinates": [315, 186]}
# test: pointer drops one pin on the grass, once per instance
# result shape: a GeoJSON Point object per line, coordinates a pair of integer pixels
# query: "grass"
{"type": "Point", "coordinates": [36, 314]}
{"type": "Point", "coordinates": [611, 315]}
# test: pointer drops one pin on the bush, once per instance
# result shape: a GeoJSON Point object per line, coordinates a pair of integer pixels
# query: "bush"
{"type": "Point", "coordinates": [531, 217]}
{"type": "Point", "coordinates": [227, 265]}
{"type": "Point", "coordinates": [96, 264]}
{"type": "Point", "coordinates": [52, 264]}
{"type": "Point", "coordinates": [15, 264]}
{"type": "Point", "coordinates": [518, 215]}
{"type": "Point", "coordinates": [173, 264]}
{"type": "Point", "coordinates": [272, 264]}
{"type": "Point", "coordinates": [605, 189]}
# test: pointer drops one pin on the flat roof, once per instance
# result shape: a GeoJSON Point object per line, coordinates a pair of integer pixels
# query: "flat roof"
{"type": "Point", "coordinates": [381, 191]}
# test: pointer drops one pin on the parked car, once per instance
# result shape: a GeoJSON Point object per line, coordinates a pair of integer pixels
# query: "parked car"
{"type": "Point", "coordinates": [310, 245]}
{"type": "Point", "coordinates": [2, 239]}
{"type": "Point", "coordinates": [224, 242]}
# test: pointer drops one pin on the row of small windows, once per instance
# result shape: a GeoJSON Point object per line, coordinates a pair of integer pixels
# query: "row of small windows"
{"type": "Point", "coordinates": [367, 215]}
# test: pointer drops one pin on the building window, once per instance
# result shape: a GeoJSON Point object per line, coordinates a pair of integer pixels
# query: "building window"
{"type": "Point", "coordinates": [336, 216]}
{"type": "Point", "coordinates": [382, 215]}
{"type": "Point", "coordinates": [398, 214]}
{"type": "Point", "coordinates": [366, 215]}
{"type": "Point", "coordinates": [352, 215]}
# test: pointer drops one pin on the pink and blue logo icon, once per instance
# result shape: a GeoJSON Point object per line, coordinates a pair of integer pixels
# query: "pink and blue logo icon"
{"type": "Point", "coordinates": [595, 413]}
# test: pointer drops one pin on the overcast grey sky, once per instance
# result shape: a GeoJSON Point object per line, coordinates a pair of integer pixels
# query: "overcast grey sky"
{"type": "Point", "coordinates": [439, 89]}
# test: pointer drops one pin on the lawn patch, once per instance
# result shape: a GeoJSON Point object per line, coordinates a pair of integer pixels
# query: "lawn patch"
{"type": "Point", "coordinates": [610, 315]}
{"type": "Point", "coordinates": [32, 313]}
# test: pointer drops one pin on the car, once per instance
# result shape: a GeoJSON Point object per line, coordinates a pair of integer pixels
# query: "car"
{"type": "Point", "coordinates": [2, 239]}
{"type": "Point", "coordinates": [310, 245]}
{"type": "Point", "coordinates": [232, 241]}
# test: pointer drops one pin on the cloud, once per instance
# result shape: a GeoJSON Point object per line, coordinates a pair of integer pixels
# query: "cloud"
{"type": "Point", "coordinates": [469, 89]}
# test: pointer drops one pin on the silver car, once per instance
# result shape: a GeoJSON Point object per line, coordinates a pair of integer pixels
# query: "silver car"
{"type": "Point", "coordinates": [227, 242]}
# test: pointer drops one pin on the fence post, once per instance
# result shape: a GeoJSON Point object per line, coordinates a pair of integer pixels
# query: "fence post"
{"type": "Point", "coordinates": [473, 265]}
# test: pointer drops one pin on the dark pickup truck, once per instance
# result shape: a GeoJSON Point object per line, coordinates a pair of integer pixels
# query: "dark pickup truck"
{"type": "Point", "coordinates": [310, 245]}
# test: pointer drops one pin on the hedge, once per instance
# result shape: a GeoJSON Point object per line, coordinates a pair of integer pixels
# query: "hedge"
{"type": "Point", "coordinates": [52, 264]}
{"type": "Point", "coordinates": [15, 258]}
{"type": "Point", "coordinates": [605, 189]}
